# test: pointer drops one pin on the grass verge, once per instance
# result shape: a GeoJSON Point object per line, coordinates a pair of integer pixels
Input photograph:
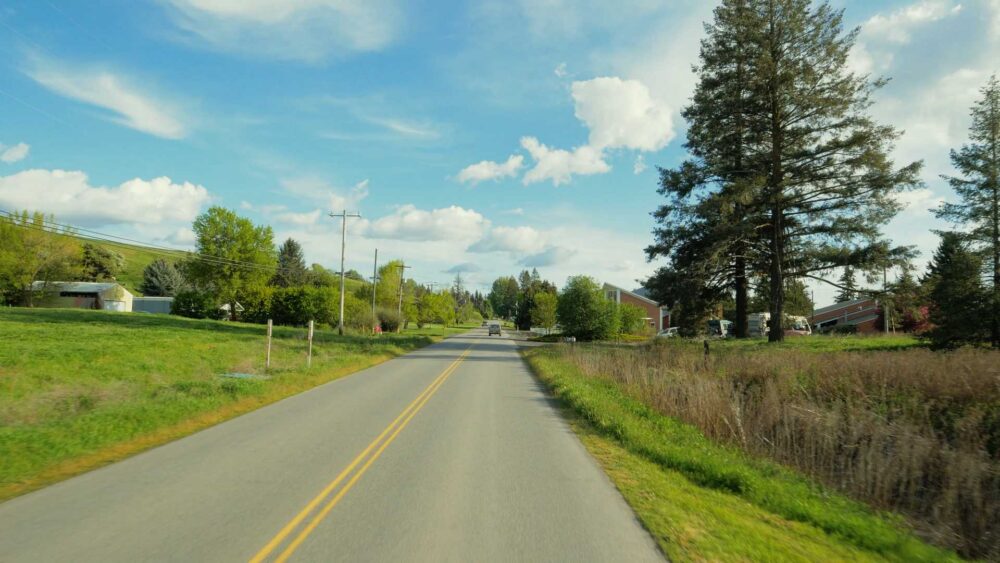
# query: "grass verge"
{"type": "Point", "coordinates": [705, 501]}
{"type": "Point", "coordinates": [81, 389]}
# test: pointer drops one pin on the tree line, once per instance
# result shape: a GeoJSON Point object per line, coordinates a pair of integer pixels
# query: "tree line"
{"type": "Point", "coordinates": [581, 309]}
{"type": "Point", "coordinates": [236, 271]}
{"type": "Point", "coordinates": [789, 178]}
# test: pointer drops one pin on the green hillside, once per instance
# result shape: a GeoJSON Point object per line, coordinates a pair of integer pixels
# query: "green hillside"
{"type": "Point", "coordinates": [138, 257]}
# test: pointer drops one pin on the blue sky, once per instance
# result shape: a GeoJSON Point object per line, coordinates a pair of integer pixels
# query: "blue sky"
{"type": "Point", "coordinates": [482, 136]}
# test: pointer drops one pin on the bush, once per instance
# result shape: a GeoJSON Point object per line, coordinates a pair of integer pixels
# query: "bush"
{"type": "Point", "coordinates": [196, 305]}
{"type": "Point", "coordinates": [584, 311]}
{"type": "Point", "coordinates": [296, 306]}
{"type": "Point", "coordinates": [632, 319]}
{"type": "Point", "coordinates": [256, 305]}
{"type": "Point", "coordinates": [389, 319]}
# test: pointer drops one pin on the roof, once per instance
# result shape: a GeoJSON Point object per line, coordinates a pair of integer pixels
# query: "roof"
{"type": "Point", "coordinates": [842, 305]}
{"type": "Point", "coordinates": [632, 293]}
{"type": "Point", "coordinates": [74, 287]}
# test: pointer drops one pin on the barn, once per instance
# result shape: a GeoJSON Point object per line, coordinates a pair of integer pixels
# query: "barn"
{"type": "Point", "coordinates": [107, 296]}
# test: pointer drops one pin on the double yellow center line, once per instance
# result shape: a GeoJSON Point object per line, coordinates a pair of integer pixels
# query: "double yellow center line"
{"type": "Point", "coordinates": [368, 456]}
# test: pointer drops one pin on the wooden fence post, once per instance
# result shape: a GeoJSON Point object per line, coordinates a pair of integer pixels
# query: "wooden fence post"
{"type": "Point", "coordinates": [309, 359]}
{"type": "Point", "coordinates": [268, 361]}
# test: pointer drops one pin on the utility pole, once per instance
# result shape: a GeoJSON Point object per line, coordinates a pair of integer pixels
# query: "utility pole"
{"type": "Point", "coordinates": [343, 247]}
{"type": "Point", "coordinates": [374, 292]}
{"type": "Point", "coordinates": [399, 310]}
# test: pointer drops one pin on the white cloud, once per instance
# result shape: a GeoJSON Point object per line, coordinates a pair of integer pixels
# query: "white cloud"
{"type": "Point", "coordinates": [551, 256]}
{"type": "Point", "coordinates": [883, 33]}
{"type": "Point", "coordinates": [300, 219]}
{"type": "Point", "coordinates": [70, 197]}
{"type": "Point", "coordinates": [560, 70]}
{"type": "Point", "coordinates": [490, 170]}
{"type": "Point", "coordinates": [560, 165]}
{"type": "Point", "coordinates": [640, 165]}
{"type": "Point", "coordinates": [413, 224]}
{"type": "Point", "coordinates": [622, 114]}
{"type": "Point", "coordinates": [519, 240]}
{"type": "Point", "coordinates": [15, 153]}
{"type": "Point", "coordinates": [897, 26]}
{"type": "Point", "coordinates": [131, 106]}
{"type": "Point", "coordinates": [405, 128]}
{"type": "Point", "coordinates": [307, 30]}
{"type": "Point", "coordinates": [919, 201]}
{"type": "Point", "coordinates": [321, 191]}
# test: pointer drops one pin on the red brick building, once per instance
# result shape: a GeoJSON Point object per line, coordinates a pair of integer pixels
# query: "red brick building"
{"type": "Point", "coordinates": [657, 316]}
{"type": "Point", "coordinates": [862, 313]}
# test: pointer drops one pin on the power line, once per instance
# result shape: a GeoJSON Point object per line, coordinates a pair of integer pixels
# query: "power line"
{"type": "Point", "coordinates": [95, 236]}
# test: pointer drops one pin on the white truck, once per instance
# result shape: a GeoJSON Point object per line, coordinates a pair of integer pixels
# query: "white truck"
{"type": "Point", "coordinates": [757, 325]}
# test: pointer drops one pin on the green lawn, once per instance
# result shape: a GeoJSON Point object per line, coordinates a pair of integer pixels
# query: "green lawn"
{"type": "Point", "coordinates": [79, 389]}
{"type": "Point", "coordinates": [705, 501]}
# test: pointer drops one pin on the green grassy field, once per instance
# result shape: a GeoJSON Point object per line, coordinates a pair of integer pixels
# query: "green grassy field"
{"type": "Point", "coordinates": [702, 500]}
{"type": "Point", "coordinates": [79, 389]}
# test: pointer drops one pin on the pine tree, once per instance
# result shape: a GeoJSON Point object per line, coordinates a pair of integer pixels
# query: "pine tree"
{"type": "Point", "coordinates": [956, 294]}
{"type": "Point", "coordinates": [161, 278]}
{"type": "Point", "coordinates": [848, 288]}
{"type": "Point", "coordinates": [706, 225]}
{"type": "Point", "coordinates": [827, 178]}
{"type": "Point", "coordinates": [978, 188]}
{"type": "Point", "coordinates": [292, 271]}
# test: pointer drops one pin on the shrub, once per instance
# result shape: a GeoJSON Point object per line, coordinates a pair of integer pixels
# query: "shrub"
{"type": "Point", "coordinates": [584, 312]}
{"type": "Point", "coordinates": [196, 304]}
{"type": "Point", "coordinates": [389, 319]}
{"type": "Point", "coordinates": [256, 305]}
{"type": "Point", "coordinates": [296, 306]}
{"type": "Point", "coordinates": [632, 319]}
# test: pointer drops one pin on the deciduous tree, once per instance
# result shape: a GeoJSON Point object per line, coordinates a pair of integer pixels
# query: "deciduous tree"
{"type": "Point", "coordinates": [233, 255]}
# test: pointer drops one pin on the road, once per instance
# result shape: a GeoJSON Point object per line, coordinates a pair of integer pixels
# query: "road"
{"type": "Point", "coordinates": [450, 453]}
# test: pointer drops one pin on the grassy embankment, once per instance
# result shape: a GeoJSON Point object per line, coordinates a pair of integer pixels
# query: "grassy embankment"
{"type": "Point", "coordinates": [80, 389]}
{"type": "Point", "coordinates": [693, 445]}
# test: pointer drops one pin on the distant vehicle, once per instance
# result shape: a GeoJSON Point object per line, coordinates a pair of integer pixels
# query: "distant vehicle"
{"type": "Point", "coordinates": [668, 333]}
{"type": "Point", "coordinates": [757, 324]}
{"type": "Point", "coordinates": [719, 328]}
{"type": "Point", "coordinates": [495, 329]}
{"type": "Point", "coordinates": [486, 323]}
{"type": "Point", "coordinates": [797, 326]}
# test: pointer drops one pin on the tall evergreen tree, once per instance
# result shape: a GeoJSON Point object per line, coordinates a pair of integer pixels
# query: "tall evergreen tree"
{"type": "Point", "coordinates": [706, 226]}
{"type": "Point", "coordinates": [292, 271]}
{"type": "Point", "coordinates": [848, 290]}
{"type": "Point", "coordinates": [828, 183]}
{"type": "Point", "coordinates": [956, 294]}
{"type": "Point", "coordinates": [978, 189]}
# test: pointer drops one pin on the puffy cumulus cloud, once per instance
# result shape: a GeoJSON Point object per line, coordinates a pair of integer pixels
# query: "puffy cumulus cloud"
{"type": "Point", "coordinates": [552, 256]}
{"type": "Point", "coordinates": [15, 153]}
{"type": "Point", "coordinates": [413, 224]}
{"type": "Point", "coordinates": [919, 201]}
{"type": "Point", "coordinates": [622, 114]}
{"type": "Point", "coordinates": [490, 170]}
{"type": "Point", "coordinates": [559, 165]}
{"type": "Point", "coordinates": [130, 105]}
{"type": "Point", "coordinates": [70, 197]}
{"type": "Point", "coordinates": [305, 30]}
{"type": "Point", "coordinates": [518, 240]}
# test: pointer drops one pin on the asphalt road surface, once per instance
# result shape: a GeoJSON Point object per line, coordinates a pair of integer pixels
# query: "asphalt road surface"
{"type": "Point", "coordinates": [451, 453]}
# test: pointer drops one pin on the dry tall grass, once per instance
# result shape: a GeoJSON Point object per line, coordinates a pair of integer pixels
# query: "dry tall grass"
{"type": "Point", "coordinates": [913, 431]}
